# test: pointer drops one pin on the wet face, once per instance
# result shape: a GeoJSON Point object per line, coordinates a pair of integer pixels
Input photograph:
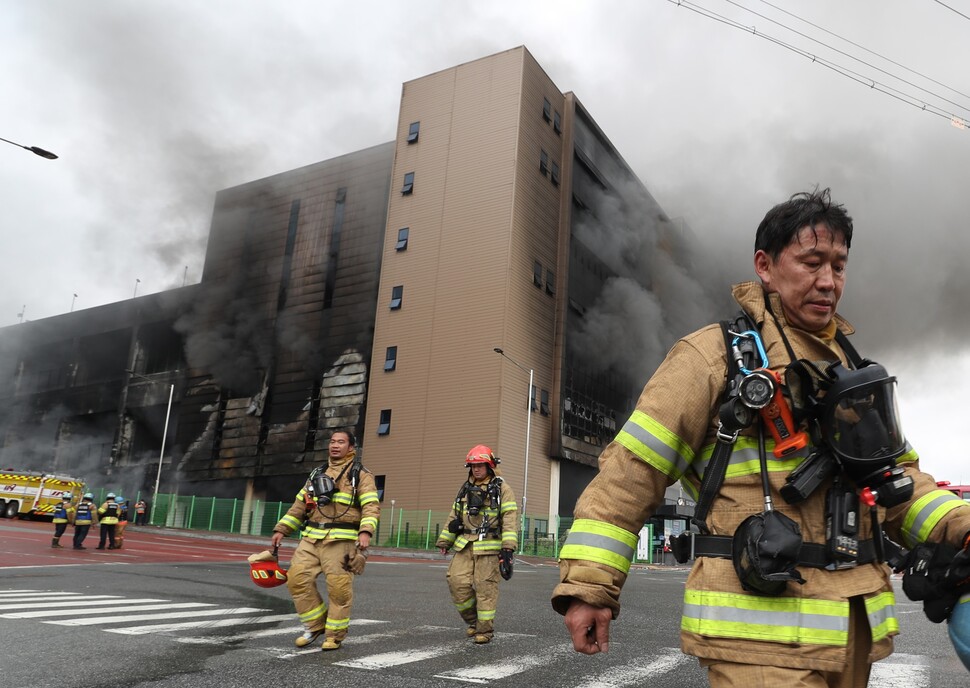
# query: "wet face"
{"type": "Point", "coordinates": [808, 276]}
{"type": "Point", "coordinates": [479, 471]}
{"type": "Point", "coordinates": [339, 445]}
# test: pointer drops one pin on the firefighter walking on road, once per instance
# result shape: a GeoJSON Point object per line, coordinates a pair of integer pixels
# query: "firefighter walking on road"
{"type": "Point", "coordinates": [83, 518]}
{"type": "Point", "coordinates": [337, 509]}
{"type": "Point", "coordinates": [63, 514]}
{"type": "Point", "coordinates": [108, 514]}
{"type": "Point", "coordinates": [481, 529]}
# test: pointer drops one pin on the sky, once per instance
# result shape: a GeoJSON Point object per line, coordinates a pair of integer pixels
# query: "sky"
{"type": "Point", "coordinates": [721, 108]}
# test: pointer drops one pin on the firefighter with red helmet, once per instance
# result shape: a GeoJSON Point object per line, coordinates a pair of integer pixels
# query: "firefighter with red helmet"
{"type": "Point", "coordinates": [481, 529]}
{"type": "Point", "coordinates": [337, 510]}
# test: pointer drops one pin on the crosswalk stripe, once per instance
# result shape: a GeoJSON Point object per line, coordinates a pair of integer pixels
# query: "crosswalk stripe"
{"type": "Point", "coordinates": [636, 671]}
{"type": "Point", "coordinates": [483, 673]}
{"type": "Point", "coordinates": [93, 600]}
{"type": "Point", "coordinates": [385, 660]}
{"type": "Point", "coordinates": [134, 608]}
{"type": "Point", "coordinates": [216, 623]}
{"type": "Point", "coordinates": [900, 669]}
{"type": "Point", "coordinates": [266, 632]}
{"type": "Point", "coordinates": [94, 621]}
{"type": "Point", "coordinates": [43, 597]}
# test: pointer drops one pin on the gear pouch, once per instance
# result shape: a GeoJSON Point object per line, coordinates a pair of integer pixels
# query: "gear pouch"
{"type": "Point", "coordinates": [765, 553]}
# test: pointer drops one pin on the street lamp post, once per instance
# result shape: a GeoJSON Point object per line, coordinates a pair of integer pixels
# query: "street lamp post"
{"type": "Point", "coordinates": [33, 149]}
{"type": "Point", "coordinates": [528, 431]}
{"type": "Point", "coordinates": [161, 455]}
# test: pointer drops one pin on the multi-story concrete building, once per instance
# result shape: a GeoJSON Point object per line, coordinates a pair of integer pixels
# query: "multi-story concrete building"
{"type": "Point", "coordinates": [410, 291]}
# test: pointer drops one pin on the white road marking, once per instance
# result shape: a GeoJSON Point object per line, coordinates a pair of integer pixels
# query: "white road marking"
{"type": "Point", "coordinates": [93, 600]}
{"type": "Point", "coordinates": [283, 630]}
{"type": "Point", "coordinates": [217, 623]}
{"type": "Point", "coordinates": [94, 621]}
{"type": "Point", "coordinates": [636, 671]}
{"type": "Point", "coordinates": [483, 673]}
{"type": "Point", "coordinates": [901, 670]}
{"type": "Point", "coordinates": [390, 659]}
{"type": "Point", "coordinates": [134, 608]}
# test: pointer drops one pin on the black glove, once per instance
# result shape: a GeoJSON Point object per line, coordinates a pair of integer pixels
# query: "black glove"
{"type": "Point", "coordinates": [958, 572]}
{"type": "Point", "coordinates": [505, 559]}
{"type": "Point", "coordinates": [925, 579]}
{"type": "Point", "coordinates": [455, 526]}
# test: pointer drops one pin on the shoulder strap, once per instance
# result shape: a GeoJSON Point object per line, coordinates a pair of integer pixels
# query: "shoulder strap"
{"type": "Point", "coordinates": [849, 350]}
{"type": "Point", "coordinates": [717, 466]}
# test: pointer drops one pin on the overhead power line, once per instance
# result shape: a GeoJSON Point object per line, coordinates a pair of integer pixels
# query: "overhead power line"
{"type": "Point", "coordinates": [956, 120]}
{"type": "Point", "coordinates": [951, 9]}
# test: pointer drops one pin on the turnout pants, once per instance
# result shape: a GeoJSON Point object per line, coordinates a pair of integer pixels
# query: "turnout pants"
{"type": "Point", "coordinates": [80, 532]}
{"type": "Point", "coordinates": [310, 560]}
{"type": "Point", "coordinates": [854, 675]}
{"type": "Point", "coordinates": [473, 582]}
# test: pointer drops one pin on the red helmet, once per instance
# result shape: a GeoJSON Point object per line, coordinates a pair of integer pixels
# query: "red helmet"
{"type": "Point", "coordinates": [265, 570]}
{"type": "Point", "coordinates": [480, 454]}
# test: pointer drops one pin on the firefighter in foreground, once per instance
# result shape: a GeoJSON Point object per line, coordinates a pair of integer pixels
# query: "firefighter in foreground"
{"type": "Point", "coordinates": [63, 514]}
{"type": "Point", "coordinates": [789, 585]}
{"type": "Point", "coordinates": [108, 514]}
{"type": "Point", "coordinates": [84, 516]}
{"type": "Point", "coordinates": [482, 529]}
{"type": "Point", "coordinates": [338, 510]}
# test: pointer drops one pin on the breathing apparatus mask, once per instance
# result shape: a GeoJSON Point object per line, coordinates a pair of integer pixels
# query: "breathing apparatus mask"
{"type": "Point", "coordinates": [856, 428]}
{"type": "Point", "coordinates": [322, 486]}
{"type": "Point", "coordinates": [475, 500]}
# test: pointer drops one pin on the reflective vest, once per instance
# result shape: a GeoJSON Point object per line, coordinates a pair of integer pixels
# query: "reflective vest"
{"type": "Point", "coordinates": [84, 515]}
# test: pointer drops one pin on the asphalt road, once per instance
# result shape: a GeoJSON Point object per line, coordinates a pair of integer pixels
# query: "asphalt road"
{"type": "Point", "coordinates": [176, 609]}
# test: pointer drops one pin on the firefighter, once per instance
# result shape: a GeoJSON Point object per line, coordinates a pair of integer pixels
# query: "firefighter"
{"type": "Point", "coordinates": [83, 518]}
{"type": "Point", "coordinates": [827, 610]}
{"type": "Point", "coordinates": [337, 509]}
{"type": "Point", "coordinates": [63, 514]}
{"type": "Point", "coordinates": [482, 530]}
{"type": "Point", "coordinates": [108, 514]}
{"type": "Point", "coordinates": [122, 521]}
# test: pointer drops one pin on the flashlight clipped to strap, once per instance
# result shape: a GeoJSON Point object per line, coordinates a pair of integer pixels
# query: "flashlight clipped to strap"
{"type": "Point", "coordinates": [761, 389]}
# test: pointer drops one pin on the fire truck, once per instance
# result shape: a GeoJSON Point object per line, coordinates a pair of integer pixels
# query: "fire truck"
{"type": "Point", "coordinates": [961, 491]}
{"type": "Point", "coordinates": [29, 494]}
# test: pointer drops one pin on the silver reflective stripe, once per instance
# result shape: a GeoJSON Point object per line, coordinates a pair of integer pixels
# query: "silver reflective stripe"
{"type": "Point", "coordinates": [654, 444]}
{"type": "Point", "coordinates": [880, 616]}
{"type": "Point", "coordinates": [600, 542]}
{"type": "Point", "coordinates": [927, 511]}
{"type": "Point", "coordinates": [819, 622]}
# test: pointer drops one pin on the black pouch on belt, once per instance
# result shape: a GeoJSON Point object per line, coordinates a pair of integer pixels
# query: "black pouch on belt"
{"type": "Point", "coordinates": [765, 553]}
{"type": "Point", "coordinates": [680, 546]}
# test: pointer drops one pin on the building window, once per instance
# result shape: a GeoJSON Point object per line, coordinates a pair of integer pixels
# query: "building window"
{"type": "Point", "coordinates": [408, 184]}
{"type": "Point", "coordinates": [555, 174]}
{"type": "Point", "coordinates": [379, 481]}
{"type": "Point", "coordinates": [390, 359]}
{"type": "Point", "coordinates": [557, 122]}
{"type": "Point", "coordinates": [533, 404]}
{"type": "Point", "coordinates": [544, 404]}
{"type": "Point", "coordinates": [415, 129]}
{"type": "Point", "coordinates": [402, 238]}
{"type": "Point", "coordinates": [397, 296]}
{"type": "Point", "coordinates": [384, 427]}
{"type": "Point", "coordinates": [550, 282]}
{"type": "Point", "coordinates": [537, 274]}
{"type": "Point", "coordinates": [546, 110]}
{"type": "Point", "coordinates": [543, 162]}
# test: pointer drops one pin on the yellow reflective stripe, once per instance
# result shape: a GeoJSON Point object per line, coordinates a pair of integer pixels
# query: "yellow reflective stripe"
{"type": "Point", "coordinates": [601, 542]}
{"type": "Point", "coordinates": [461, 542]}
{"type": "Point", "coordinates": [509, 535]}
{"type": "Point", "coordinates": [343, 498]}
{"type": "Point", "coordinates": [910, 456]}
{"type": "Point", "coordinates": [301, 494]}
{"type": "Point", "coordinates": [447, 536]}
{"type": "Point", "coordinates": [508, 506]}
{"type": "Point", "coordinates": [291, 522]}
{"type": "Point", "coordinates": [368, 521]}
{"type": "Point", "coordinates": [467, 604]}
{"type": "Point", "coordinates": [486, 545]}
{"type": "Point", "coordinates": [773, 619]}
{"type": "Point", "coordinates": [368, 497]}
{"type": "Point", "coordinates": [486, 614]}
{"type": "Point", "coordinates": [314, 614]}
{"type": "Point", "coordinates": [333, 533]}
{"type": "Point", "coordinates": [744, 458]}
{"type": "Point", "coordinates": [925, 513]}
{"type": "Point", "coordinates": [881, 610]}
{"type": "Point", "coordinates": [337, 624]}
{"type": "Point", "coordinates": [654, 444]}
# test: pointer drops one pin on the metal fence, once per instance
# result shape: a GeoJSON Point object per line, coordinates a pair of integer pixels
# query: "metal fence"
{"type": "Point", "coordinates": [398, 528]}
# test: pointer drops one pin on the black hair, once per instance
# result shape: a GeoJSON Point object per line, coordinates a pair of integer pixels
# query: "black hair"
{"type": "Point", "coordinates": [807, 209]}
{"type": "Point", "coordinates": [351, 437]}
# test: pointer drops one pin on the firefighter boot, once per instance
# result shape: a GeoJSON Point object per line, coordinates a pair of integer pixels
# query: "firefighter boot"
{"type": "Point", "coordinates": [330, 643]}
{"type": "Point", "coordinates": [55, 544]}
{"type": "Point", "coordinates": [307, 638]}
